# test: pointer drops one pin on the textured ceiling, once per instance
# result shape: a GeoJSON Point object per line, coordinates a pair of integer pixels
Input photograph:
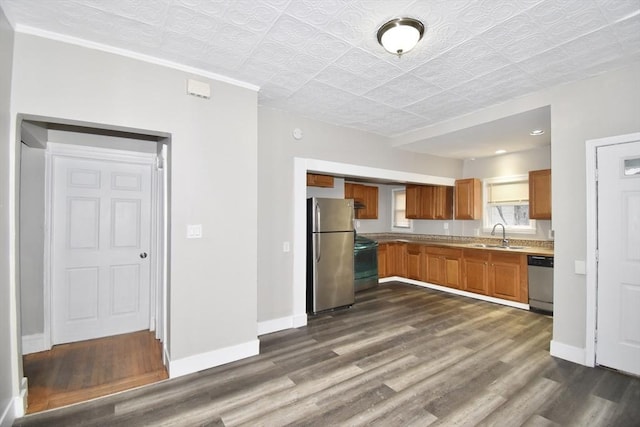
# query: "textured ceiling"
{"type": "Point", "coordinates": [321, 59]}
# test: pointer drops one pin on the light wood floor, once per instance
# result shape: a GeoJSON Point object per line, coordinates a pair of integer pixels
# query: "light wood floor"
{"type": "Point", "coordinates": [401, 356]}
{"type": "Point", "coordinates": [76, 372]}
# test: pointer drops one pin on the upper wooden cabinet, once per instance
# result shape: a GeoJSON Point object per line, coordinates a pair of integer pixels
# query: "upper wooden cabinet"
{"type": "Point", "coordinates": [468, 199]}
{"type": "Point", "coordinates": [365, 194]}
{"type": "Point", "coordinates": [315, 180]}
{"type": "Point", "coordinates": [540, 194]}
{"type": "Point", "coordinates": [429, 202]}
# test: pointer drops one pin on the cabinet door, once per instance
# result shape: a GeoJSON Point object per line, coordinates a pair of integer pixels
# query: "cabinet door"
{"type": "Point", "coordinates": [414, 262]}
{"type": "Point", "coordinates": [412, 201]}
{"type": "Point", "coordinates": [476, 271]}
{"type": "Point", "coordinates": [468, 199]}
{"type": "Point", "coordinates": [428, 202]}
{"type": "Point", "coordinates": [370, 200]}
{"type": "Point", "coordinates": [400, 259]}
{"type": "Point", "coordinates": [540, 194]}
{"type": "Point", "coordinates": [452, 273]}
{"type": "Point", "coordinates": [507, 276]}
{"type": "Point", "coordinates": [316, 180]}
{"type": "Point", "coordinates": [443, 204]}
{"type": "Point", "coordinates": [382, 260]}
{"type": "Point", "coordinates": [435, 269]}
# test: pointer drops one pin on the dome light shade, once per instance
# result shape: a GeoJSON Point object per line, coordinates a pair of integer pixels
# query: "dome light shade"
{"type": "Point", "coordinates": [400, 35]}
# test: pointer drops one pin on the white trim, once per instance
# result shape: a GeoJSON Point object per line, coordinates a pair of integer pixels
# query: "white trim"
{"type": "Point", "coordinates": [500, 301]}
{"type": "Point", "coordinates": [300, 168]}
{"type": "Point", "coordinates": [25, 29]}
{"type": "Point", "coordinates": [33, 344]}
{"type": "Point", "coordinates": [591, 156]}
{"type": "Point", "coordinates": [199, 362]}
{"type": "Point", "coordinates": [275, 325]}
{"type": "Point", "coordinates": [568, 352]}
{"type": "Point", "coordinates": [59, 149]}
{"type": "Point", "coordinates": [20, 401]}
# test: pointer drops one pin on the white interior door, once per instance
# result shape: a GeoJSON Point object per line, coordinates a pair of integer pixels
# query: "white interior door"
{"type": "Point", "coordinates": [618, 318]}
{"type": "Point", "coordinates": [101, 230]}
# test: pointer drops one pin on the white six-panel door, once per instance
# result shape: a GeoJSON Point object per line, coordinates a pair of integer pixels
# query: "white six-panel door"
{"type": "Point", "coordinates": [618, 295]}
{"type": "Point", "coordinates": [101, 229]}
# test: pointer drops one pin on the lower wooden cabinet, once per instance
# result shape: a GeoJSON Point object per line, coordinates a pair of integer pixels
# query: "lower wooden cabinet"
{"type": "Point", "coordinates": [392, 259]}
{"type": "Point", "coordinates": [382, 260]}
{"type": "Point", "coordinates": [494, 273]}
{"type": "Point", "coordinates": [397, 259]}
{"type": "Point", "coordinates": [508, 276]}
{"type": "Point", "coordinates": [443, 266]}
{"type": "Point", "coordinates": [498, 274]}
{"type": "Point", "coordinates": [414, 261]}
{"type": "Point", "coordinates": [476, 271]}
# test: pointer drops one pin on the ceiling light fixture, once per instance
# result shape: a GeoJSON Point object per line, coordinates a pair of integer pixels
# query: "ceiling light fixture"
{"type": "Point", "coordinates": [501, 151]}
{"type": "Point", "coordinates": [536, 132]}
{"type": "Point", "coordinates": [400, 35]}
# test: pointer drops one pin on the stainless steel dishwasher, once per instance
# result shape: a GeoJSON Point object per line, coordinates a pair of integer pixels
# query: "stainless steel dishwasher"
{"type": "Point", "coordinates": [540, 283]}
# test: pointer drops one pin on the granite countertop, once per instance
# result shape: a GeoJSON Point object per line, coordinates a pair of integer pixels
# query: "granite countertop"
{"type": "Point", "coordinates": [532, 247]}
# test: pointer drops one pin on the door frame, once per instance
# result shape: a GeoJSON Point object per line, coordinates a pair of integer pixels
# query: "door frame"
{"type": "Point", "coordinates": [592, 146]}
{"type": "Point", "coordinates": [157, 315]}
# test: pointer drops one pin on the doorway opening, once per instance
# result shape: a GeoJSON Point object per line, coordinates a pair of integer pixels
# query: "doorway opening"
{"type": "Point", "coordinates": [93, 236]}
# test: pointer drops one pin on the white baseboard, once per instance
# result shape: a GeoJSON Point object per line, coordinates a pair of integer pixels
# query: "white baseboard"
{"type": "Point", "coordinates": [456, 292]}
{"type": "Point", "coordinates": [199, 362]}
{"type": "Point", "coordinates": [299, 320]}
{"type": "Point", "coordinates": [33, 344]}
{"type": "Point", "coordinates": [275, 325]}
{"type": "Point", "coordinates": [568, 352]}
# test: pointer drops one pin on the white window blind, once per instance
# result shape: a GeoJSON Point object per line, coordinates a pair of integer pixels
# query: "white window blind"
{"type": "Point", "coordinates": [515, 192]}
{"type": "Point", "coordinates": [400, 209]}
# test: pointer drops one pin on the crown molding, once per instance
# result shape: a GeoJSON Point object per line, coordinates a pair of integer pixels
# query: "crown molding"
{"type": "Point", "coordinates": [25, 29]}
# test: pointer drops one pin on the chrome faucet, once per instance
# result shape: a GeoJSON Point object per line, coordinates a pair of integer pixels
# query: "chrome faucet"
{"type": "Point", "coordinates": [505, 241]}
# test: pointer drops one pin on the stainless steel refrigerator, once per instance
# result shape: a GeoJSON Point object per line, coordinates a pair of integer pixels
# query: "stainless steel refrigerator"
{"type": "Point", "coordinates": [330, 240]}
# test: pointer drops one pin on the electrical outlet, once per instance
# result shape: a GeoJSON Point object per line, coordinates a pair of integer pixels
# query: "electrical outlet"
{"type": "Point", "coordinates": [286, 247]}
{"type": "Point", "coordinates": [446, 225]}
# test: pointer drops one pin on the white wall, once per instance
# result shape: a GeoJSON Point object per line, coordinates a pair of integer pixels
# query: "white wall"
{"type": "Point", "coordinates": [212, 294]}
{"type": "Point", "coordinates": [276, 151]}
{"type": "Point", "coordinates": [31, 240]}
{"type": "Point", "coordinates": [8, 332]}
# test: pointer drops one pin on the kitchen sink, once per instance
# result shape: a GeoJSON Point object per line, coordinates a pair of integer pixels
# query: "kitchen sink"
{"type": "Point", "coordinates": [484, 245]}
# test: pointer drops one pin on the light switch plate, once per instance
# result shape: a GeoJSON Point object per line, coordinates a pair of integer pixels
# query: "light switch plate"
{"type": "Point", "coordinates": [194, 231]}
{"type": "Point", "coordinates": [580, 267]}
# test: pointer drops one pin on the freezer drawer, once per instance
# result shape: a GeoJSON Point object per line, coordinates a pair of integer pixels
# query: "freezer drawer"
{"type": "Point", "coordinates": [332, 271]}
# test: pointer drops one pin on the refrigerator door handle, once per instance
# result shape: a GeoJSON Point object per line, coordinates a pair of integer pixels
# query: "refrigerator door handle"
{"type": "Point", "coordinates": [317, 240]}
{"type": "Point", "coordinates": [317, 221]}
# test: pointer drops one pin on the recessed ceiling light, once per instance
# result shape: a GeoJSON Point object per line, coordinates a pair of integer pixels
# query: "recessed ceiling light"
{"type": "Point", "coordinates": [536, 132]}
{"type": "Point", "coordinates": [501, 151]}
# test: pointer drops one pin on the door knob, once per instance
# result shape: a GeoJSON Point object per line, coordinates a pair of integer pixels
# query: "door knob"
{"type": "Point", "coordinates": [143, 255]}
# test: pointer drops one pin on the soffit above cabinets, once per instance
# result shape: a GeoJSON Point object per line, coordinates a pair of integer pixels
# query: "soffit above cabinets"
{"type": "Point", "coordinates": [321, 59]}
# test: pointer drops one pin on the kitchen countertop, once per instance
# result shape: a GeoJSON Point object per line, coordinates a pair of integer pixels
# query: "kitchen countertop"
{"type": "Point", "coordinates": [529, 247]}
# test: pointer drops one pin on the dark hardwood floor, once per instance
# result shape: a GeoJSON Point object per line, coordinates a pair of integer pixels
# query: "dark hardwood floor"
{"type": "Point", "coordinates": [401, 356]}
{"type": "Point", "coordinates": [76, 372]}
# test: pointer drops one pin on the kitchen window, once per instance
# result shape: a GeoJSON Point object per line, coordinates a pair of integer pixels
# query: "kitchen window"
{"type": "Point", "coordinates": [507, 202]}
{"type": "Point", "coordinates": [399, 220]}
